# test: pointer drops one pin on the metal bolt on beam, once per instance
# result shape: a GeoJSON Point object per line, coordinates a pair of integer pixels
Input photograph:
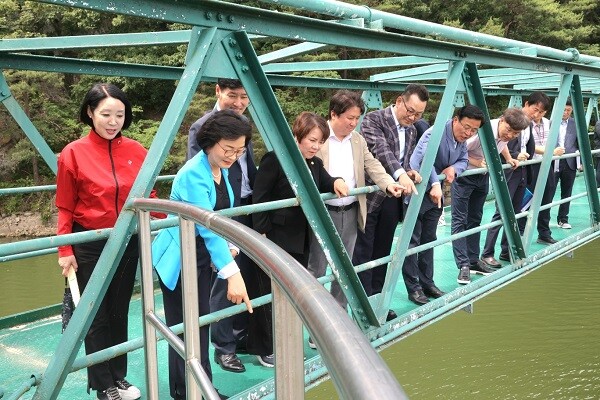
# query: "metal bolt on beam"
{"type": "Point", "coordinates": [219, 17]}
{"type": "Point", "coordinates": [230, 19]}
{"type": "Point", "coordinates": [239, 56]}
{"type": "Point", "coordinates": [232, 43]}
{"type": "Point", "coordinates": [245, 68]}
{"type": "Point", "coordinates": [208, 15]}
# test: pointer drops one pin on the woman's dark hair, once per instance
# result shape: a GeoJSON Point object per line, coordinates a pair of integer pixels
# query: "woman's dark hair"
{"type": "Point", "coordinates": [99, 92]}
{"type": "Point", "coordinates": [306, 122]}
{"type": "Point", "coordinates": [224, 124]}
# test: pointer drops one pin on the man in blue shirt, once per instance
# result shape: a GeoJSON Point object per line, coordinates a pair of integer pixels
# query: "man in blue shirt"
{"type": "Point", "coordinates": [451, 160]}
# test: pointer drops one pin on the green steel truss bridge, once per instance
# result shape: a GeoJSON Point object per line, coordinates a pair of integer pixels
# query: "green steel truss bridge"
{"type": "Point", "coordinates": [220, 43]}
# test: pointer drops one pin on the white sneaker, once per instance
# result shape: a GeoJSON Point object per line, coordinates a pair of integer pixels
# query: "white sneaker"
{"type": "Point", "coordinates": [127, 390]}
{"type": "Point", "coordinates": [565, 225]}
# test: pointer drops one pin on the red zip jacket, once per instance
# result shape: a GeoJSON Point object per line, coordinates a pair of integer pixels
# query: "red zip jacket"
{"type": "Point", "coordinates": [94, 178]}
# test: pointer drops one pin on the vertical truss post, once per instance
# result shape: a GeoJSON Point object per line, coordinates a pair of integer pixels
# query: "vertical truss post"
{"type": "Point", "coordinates": [273, 125]}
{"type": "Point", "coordinates": [455, 70]}
{"type": "Point", "coordinates": [547, 167]}
{"type": "Point", "coordinates": [585, 149]}
{"type": "Point", "coordinates": [60, 364]}
{"type": "Point", "coordinates": [492, 157]}
{"type": "Point", "coordinates": [26, 125]}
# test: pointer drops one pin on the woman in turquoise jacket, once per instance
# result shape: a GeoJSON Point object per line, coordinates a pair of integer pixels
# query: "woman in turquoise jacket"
{"type": "Point", "coordinates": [203, 182]}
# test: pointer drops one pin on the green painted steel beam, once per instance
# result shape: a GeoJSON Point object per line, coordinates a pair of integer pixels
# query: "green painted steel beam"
{"type": "Point", "coordinates": [19, 115]}
{"type": "Point", "coordinates": [497, 72]}
{"type": "Point", "coordinates": [90, 67]}
{"type": "Point", "coordinates": [585, 149]}
{"type": "Point", "coordinates": [497, 177]}
{"type": "Point", "coordinates": [344, 10]}
{"type": "Point", "coordinates": [350, 64]}
{"type": "Point", "coordinates": [290, 51]}
{"type": "Point", "coordinates": [234, 17]}
{"type": "Point", "coordinates": [413, 73]}
{"type": "Point", "coordinates": [94, 41]}
{"type": "Point", "coordinates": [444, 113]}
{"type": "Point", "coordinates": [62, 360]}
{"type": "Point", "coordinates": [269, 118]}
{"type": "Point", "coordinates": [547, 165]}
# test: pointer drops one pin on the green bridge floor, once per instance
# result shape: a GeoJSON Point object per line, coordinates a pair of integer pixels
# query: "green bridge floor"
{"type": "Point", "coordinates": [26, 349]}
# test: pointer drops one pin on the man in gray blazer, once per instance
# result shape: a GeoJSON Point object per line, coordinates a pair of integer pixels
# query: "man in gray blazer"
{"type": "Point", "coordinates": [345, 154]}
{"type": "Point", "coordinates": [567, 168]}
{"type": "Point", "coordinates": [451, 160]}
{"type": "Point", "coordinates": [391, 138]}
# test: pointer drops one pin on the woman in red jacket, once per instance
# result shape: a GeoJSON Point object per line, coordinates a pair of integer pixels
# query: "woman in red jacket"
{"type": "Point", "coordinates": [95, 176]}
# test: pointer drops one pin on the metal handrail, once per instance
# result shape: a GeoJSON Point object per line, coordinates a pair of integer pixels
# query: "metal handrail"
{"type": "Point", "coordinates": [356, 369]}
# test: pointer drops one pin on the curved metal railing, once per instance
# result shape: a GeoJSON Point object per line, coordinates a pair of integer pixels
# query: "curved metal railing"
{"type": "Point", "coordinates": [356, 369]}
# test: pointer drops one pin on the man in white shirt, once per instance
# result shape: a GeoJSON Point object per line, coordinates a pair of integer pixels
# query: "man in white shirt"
{"type": "Point", "coordinates": [345, 154]}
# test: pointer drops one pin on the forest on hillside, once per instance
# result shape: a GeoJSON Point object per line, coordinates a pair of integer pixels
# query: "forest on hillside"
{"type": "Point", "coordinates": [51, 100]}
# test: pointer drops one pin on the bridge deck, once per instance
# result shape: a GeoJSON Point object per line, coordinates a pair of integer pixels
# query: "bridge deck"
{"type": "Point", "coordinates": [26, 349]}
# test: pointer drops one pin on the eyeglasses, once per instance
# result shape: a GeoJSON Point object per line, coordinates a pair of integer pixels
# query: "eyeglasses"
{"type": "Point", "coordinates": [411, 111]}
{"type": "Point", "coordinates": [228, 153]}
{"type": "Point", "coordinates": [467, 128]}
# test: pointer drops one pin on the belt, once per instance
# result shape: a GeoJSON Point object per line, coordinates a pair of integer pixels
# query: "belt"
{"type": "Point", "coordinates": [341, 208]}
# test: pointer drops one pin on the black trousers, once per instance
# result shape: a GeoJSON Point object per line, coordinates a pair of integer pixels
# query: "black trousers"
{"type": "Point", "coordinates": [109, 327]}
{"type": "Point", "coordinates": [543, 222]}
{"type": "Point", "coordinates": [174, 315]}
{"type": "Point", "coordinates": [227, 333]}
{"type": "Point", "coordinates": [517, 182]}
{"type": "Point", "coordinates": [566, 176]}
{"type": "Point", "coordinates": [417, 269]}
{"type": "Point", "coordinates": [260, 323]}
{"type": "Point", "coordinates": [376, 242]}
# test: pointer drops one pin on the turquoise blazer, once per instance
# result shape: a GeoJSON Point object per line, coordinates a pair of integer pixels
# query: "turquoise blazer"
{"type": "Point", "coordinates": [194, 185]}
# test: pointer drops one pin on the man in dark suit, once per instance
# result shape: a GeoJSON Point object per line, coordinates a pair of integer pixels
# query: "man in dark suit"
{"type": "Point", "coordinates": [469, 193]}
{"type": "Point", "coordinates": [226, 333]}
{"type": "Point", "coordinates": [451, 160]}
{"type": "Point", "coordinates": [520, 148]}
{"type": "Point", "coordinates": [391, 137]}
{"type": "Point", "coordinates": [567, 168]}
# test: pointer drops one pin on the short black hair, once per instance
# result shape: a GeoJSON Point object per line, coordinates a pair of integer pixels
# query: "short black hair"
{"type": "Point", "coordinates": [418, 89]}
{"type": "Point", "coordinates": [224, 124]}
{"type": "Point", "coordinates": [96, 94]}
{"type": "Point", "coordinates": [569, 103]}
{"type": "Point", "coordinates": [226, 83]}
{"type": "Point", "coordinates": [539, 98]}
{"type": "Point", "coordinates": [342, 100]}
{"type": "Point", "coordinates": [472, 112]}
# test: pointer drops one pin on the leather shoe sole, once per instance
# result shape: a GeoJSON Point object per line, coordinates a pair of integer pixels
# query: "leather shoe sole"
{"type": "Point", "coordinates": [491, 262]}
{"type": "Point", "coordinates": [433, 291]}
{"type": "Point", "coordinates": [418, 297]}
{"type": "Point", "coordinates": [230, 362]}
{"type": "Point", "coordinates": [548, 240]}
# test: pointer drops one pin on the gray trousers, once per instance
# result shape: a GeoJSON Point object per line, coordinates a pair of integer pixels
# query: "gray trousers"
{"type": "Point", "coordinates": [346, 223]}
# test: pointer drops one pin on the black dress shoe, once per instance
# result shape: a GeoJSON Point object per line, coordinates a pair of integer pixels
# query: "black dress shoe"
{"type": "Point", "coordinates": [433, 291]}
{"type": "Point", "coordinates": [418, 297]}
{"type": "Point", "coordinates": [504, 257]}
{"type": "Point", "coordinates": [230, 362]}
{"type": "Point", "coordinates": [391, 315]}
{"type": "Point", "coordinates": [546, 240]}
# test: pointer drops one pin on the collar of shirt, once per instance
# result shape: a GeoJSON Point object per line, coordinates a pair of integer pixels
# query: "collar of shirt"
{"type": "Point", "coordinates": [333, 137]}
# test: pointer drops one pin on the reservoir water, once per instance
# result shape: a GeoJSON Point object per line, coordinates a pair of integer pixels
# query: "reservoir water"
{"type": "Point", "coordinates": [537, 338]}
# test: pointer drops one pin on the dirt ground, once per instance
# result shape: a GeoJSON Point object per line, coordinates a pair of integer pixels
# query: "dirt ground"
{"type": "Point", "coordinates": [26, 224]}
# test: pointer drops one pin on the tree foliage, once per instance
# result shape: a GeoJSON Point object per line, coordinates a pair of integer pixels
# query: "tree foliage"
{"type": "Point", "coordinates": [52, 100]}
